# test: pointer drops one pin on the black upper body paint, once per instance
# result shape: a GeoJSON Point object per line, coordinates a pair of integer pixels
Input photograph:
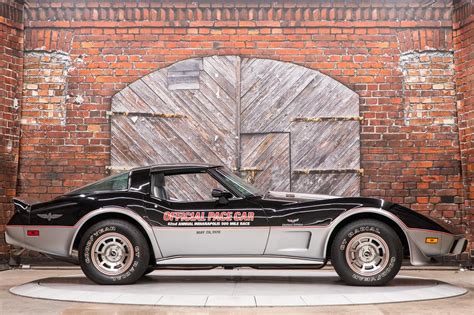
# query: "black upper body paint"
{"type": "Point", "coordinates": [68, 209]}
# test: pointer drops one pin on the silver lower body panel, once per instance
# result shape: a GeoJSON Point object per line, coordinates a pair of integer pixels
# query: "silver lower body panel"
{"type": "Point", "coordinates": [238, 261]}
{"type": "Point", "coordinates": [423, 253]}
{"type": "Point", "coordinates": [51, 240]}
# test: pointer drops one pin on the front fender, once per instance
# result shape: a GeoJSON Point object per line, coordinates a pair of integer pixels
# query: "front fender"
{"type": "Point", "coordinates": [417, 256]}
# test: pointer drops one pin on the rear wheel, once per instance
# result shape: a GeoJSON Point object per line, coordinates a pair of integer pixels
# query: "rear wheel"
{"type": "Point", "coordinates": [113, 252]}
{"type": "Point", "coordinates": [367, 253]}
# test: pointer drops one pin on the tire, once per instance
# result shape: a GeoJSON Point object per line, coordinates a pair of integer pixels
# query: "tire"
{"type": "Point", "coordinates": [149, 270]}
{"type": "Point", "coordinates": [366, 253]}
{"type": "Point", "coordinates": [113, 252]}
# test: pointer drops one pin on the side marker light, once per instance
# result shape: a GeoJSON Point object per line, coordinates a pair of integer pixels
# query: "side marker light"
{"type": "Point", "coordinates": [33, 233]}
{"type": "Point", "coordinates": [431, 240]}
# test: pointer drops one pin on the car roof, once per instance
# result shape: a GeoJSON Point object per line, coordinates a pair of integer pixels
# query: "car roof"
{"type": "Point", "coordinates": [176, 166]}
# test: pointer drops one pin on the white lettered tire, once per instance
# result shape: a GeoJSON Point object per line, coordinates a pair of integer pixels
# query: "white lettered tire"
{"type": "Point", "coordinates": [113, 252]}
{"type": "Point", "coordinates": [366, 253]}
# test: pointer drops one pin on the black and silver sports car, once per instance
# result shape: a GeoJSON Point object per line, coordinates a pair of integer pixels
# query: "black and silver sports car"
{"type": "Point", "coordinates": [204, 216]}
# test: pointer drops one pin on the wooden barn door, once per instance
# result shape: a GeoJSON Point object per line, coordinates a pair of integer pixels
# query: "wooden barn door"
{"type": "Point", "coordinates": [321, 118]}
{"type": "Point", "coordinates": [186, 112]}
{"type": "Point", "coordinates": [265, 160]}
{"type": "Point", "coordinates": [279, 125]}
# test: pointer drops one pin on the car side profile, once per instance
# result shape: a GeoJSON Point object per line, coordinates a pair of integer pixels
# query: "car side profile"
{"type": "Point", "coordinates": [203, 216]}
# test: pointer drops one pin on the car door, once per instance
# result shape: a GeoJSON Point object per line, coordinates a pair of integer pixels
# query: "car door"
{"type": "Point", "coordinates": [189, 221]}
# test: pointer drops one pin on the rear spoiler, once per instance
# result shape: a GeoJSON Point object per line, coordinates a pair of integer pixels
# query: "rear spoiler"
{"type": "Point", "coordinates": [21, 206]}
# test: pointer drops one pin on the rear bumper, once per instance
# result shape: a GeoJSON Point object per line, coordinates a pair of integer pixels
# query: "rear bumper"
{"type": "Point", "coordinates": [14, 235]}
{"type": "Point", "coordinates": [51, 240]}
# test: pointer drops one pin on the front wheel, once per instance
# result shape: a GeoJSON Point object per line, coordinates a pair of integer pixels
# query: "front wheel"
{"type": "Point", "coordinates": [366, 253]}
{"type": "Point", "coordinates": [113, 252]}
{"type": "Point", "coordinates": [149, 270]}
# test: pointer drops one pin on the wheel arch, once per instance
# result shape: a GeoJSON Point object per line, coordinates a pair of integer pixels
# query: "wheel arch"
{"type": "Point", "coordinates": [121, 214]}
{"type": "Point", "coordinates": [375, 214]}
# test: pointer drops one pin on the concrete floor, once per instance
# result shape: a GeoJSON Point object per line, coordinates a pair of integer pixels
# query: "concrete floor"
{"type": "Point", "coordinates": [11, 304]}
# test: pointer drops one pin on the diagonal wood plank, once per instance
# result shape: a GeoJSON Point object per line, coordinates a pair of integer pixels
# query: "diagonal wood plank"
{"type": "Point", "coordinates": [325, 145]}
{"type": "Point", "coordinates": [269, 156]}
{"type": "Point", "coordinates": [273, 93]}
{"type": "Point", "coordinates": [329, 184]}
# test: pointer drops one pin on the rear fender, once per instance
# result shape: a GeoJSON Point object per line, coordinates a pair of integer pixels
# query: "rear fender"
{"type": "Point", "coordinates": [138, 219]}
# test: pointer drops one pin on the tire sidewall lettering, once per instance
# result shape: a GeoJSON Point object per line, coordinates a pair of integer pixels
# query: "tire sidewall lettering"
{"type": "Point", "coordinates": [137, 251]}
{"type": "Point", "coordinates": [379, 276]}
{"type": "Point", "coordinates": [92, 238]}
{"type": "Point", "coordinates": [354, 232]}
{"type": "Point", "coordinates": [367, 229]}
{"type": "Point", "coordinates": [127, 274]}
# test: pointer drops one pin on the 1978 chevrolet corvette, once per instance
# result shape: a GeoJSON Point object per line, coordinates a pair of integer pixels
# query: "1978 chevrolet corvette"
{"type": "Point", "coordinates": [204, 216]}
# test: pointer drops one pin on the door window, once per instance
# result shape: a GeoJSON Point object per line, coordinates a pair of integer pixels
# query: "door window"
{"type": "Point", "coordinates": [185, 187]}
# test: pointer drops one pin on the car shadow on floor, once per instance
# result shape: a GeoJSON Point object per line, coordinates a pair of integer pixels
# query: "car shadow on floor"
{"type": "Point", "coordinates": [260, 279]}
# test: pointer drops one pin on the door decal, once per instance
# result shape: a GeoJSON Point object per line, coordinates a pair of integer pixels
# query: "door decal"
{"type": "Point", "coordinates": [210, 218]}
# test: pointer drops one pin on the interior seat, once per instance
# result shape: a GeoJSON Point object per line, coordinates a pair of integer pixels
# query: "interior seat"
{"type": "Point", "coordinates": [159, 189]}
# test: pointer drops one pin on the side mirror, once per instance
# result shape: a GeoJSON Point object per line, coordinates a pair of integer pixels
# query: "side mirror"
{"type": "Point", "coordinates": [223, 195]}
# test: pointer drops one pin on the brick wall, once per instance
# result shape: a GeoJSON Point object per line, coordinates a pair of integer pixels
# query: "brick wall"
{"type": "Point", "coordinates": [11, 49]}
{"type": "Point", "coordinates": [425, 146]}
{"type": "Point", "coordinates": [398, 56]}
{"type": "Point", "coordinates": [464, 66]}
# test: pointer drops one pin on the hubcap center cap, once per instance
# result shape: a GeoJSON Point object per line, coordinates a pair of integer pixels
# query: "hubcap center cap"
{"type": "Point", "coordinates": [366, 254]}
{"type": "Point", "coordinates": [114, 253]}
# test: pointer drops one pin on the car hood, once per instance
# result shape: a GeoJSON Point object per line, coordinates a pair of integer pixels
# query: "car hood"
{"type": "Point", "coordinates": [408, 216]}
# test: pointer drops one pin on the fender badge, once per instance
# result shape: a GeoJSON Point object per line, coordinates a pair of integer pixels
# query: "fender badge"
{"type": "Point", "coordinates": [293, 221]}
{"type": "Point", "coordinates": [49, 216]}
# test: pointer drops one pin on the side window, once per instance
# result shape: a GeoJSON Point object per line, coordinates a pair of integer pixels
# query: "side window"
{"type": "Point", "coordinates": [111, 183]}
{"type": "Point", "coordinates": [185, 187]}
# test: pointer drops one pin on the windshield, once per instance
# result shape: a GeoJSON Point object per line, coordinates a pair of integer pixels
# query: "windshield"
{"type": "Point", "coordinates": [237, 183]}
{"type": "Point", "coordinates": [111, 183]}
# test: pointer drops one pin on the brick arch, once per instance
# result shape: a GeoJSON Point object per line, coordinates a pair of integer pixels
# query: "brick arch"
{"type": "Point", "coordinates": [282, 125]}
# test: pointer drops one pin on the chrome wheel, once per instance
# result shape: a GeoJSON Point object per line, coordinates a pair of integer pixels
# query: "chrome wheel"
{"type": "Point", "coordinates": [367, 254]}
{"type": "Point", "coordinates": [112, 254]}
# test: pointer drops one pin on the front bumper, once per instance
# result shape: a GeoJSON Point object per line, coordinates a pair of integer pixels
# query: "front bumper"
{"type": "Point", "coordinates": [424, 253]}
{"type": "Point", "coordinates": [459, 246]}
